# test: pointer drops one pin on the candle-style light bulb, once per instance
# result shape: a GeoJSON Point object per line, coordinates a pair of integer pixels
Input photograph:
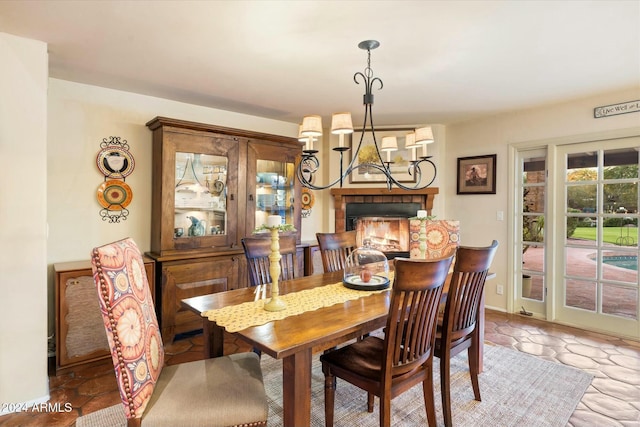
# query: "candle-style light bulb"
{"type": "Point", "coordinates": [410, 143]}
{"type": "Point", "coordinates": [341, 124]}
{"type": "Point", "coordinates": [389, 144]}
{"type": "Point", "coordinates": [424, 136]}
{"type": "Point", "coordinates": [311, 127]}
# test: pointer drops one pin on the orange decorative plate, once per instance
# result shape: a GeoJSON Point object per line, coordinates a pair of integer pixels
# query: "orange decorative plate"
{"type": "Point", "coordinates": [308, 199]}
{"type": "Point", "coordinates": [114, 195]}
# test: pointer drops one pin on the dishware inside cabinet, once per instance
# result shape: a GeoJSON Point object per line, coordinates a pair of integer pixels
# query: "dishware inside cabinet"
{"type": "Point", "coordinates": [274, 191]}
{"type": "Point", "coordinates": [200, 195]}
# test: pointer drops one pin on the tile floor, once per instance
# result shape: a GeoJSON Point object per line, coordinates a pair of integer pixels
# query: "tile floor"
{"type": "Point", "coordinates": [613, 399]}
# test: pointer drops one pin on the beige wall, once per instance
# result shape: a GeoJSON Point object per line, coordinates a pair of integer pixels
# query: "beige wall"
{"type": "Point", "coordinates": [23, 198]}
{"type": "Point", "coordinates": [493, 135]}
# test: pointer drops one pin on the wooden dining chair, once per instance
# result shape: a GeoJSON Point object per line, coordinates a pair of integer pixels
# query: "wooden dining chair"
{"type": "Point", "coordinates": [457, 327]}
{"type": "Point", "coordinates": [223, 391]}
{"type": "Point", "coordinates": [388, 367]}
{"type": "Point", "coordinates": [257, 251]}
{"type": "Point", "coordinates": [335, 248]}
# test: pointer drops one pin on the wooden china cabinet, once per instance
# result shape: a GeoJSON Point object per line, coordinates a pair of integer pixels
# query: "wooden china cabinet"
{"type": "Point", "coordinates": [212, 186]}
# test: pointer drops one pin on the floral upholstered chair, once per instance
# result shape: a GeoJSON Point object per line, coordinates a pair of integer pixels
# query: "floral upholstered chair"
{"type": "Point", "coordinates": [223, 391]}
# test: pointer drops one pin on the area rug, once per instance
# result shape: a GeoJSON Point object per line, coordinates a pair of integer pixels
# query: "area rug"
{"type": "Point", "coordinates": [517, 389]}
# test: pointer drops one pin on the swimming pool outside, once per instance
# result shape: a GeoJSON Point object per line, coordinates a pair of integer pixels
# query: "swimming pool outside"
{"type": "Point", "coordinates": [629, 262]}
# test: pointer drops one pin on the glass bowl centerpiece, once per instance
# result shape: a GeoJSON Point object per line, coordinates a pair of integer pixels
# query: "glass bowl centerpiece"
{"type": "Point", "coordinates": [366, 269]}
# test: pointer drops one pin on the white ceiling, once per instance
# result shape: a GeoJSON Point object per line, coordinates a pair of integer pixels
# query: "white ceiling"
{"type": "Point", "coordinates": [440, 61]}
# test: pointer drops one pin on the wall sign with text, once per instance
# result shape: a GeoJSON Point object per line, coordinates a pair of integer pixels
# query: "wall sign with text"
{"type": "Point", "coordinates": [615, 109]}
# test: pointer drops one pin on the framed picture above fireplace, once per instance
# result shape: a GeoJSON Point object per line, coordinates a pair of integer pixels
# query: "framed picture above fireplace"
{"type": "Point", "coordinates": [401, 158]}
{"type": "Point", "coordinates": [477, 175]}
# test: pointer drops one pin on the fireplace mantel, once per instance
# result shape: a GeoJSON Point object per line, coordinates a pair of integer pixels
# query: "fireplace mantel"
{"type": "Point", "coordinates": [342, 196]}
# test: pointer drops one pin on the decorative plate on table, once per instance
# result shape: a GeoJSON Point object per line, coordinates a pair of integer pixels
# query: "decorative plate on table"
{"type": "Point", "coordinates": [375, 283]}
{"type": "Point", "coordinates": [114, 195]}
{"type": "Point", "coordinates": [115, 162]}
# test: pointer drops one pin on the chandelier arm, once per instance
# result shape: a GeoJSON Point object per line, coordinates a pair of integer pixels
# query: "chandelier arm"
{"type": "Point", "coordinates": [302, 173]}
{"type": "Point", "coordinates": [391, 181]}
{"type": "Point", "coordinates": [369, 113]}
{"type": "Point", "coordinates": [376, 79]}
{"type": "Point", "coordinates": [354, 156]}
{"type": "Point", "coordinates": [418, 174]}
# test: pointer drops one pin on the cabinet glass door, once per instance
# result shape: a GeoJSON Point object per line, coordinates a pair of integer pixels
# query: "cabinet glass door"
{"type": "Point", "coordinates": [200, 195]}
{"type": "Point", "coordinates": [274, 191]}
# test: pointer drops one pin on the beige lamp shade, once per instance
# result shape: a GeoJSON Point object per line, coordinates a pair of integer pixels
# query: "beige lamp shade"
{"type": "Point", "coordinates": [311, 126]}
{"type": "Point", "coordinates": [303, 138]}
{"type": "Point", "coordinates": [341, 123]}
{"type": "Point", "coordinates": [389, 143]}
{"type": "Point", "coordinates": [424, 136]}
{"type": "Point", "coordinates": [410, 141]}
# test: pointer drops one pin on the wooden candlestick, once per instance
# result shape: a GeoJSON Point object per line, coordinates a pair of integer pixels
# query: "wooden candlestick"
{"type": "Point", "coordinates": [275, 304]}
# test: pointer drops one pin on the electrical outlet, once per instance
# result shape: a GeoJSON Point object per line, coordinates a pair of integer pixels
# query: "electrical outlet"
{"type": "Point", "coordinates": [500, 215]}
{"type": "Point", "coordinates": [499, 289]}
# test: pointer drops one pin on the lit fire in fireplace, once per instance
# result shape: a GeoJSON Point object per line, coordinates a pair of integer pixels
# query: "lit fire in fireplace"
{"type": "Point", "coordinates": [386, 234]}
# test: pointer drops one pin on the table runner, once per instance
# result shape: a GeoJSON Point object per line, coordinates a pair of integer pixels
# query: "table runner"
{"type": "Point", "coordinates": [241, 316]}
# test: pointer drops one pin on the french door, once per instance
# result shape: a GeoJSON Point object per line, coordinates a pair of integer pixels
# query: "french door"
{"type": "Point", "coordinates": [531, 292]}
{"type": "Point", "coordinates": [596, 205]}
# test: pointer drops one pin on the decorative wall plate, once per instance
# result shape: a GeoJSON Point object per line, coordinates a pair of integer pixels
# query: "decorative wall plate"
{"type": "Point", "coordinates": [307, 199]}
{"type": "Point", "coordinates": [115, 162]}
{"type": "Point", "coordinates": [114, 195]}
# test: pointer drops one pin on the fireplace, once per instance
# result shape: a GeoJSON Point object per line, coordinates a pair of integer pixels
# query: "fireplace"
{"type": "Point", "coordinates": [386, 234]}
{"type": "Point", "coordinates": [384, 225]}
{"type": "Point", "coordinates": [381, 215]}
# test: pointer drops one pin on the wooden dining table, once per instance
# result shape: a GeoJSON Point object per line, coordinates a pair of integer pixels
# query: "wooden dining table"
{"type": "Point", "coordinates": [295, 339]}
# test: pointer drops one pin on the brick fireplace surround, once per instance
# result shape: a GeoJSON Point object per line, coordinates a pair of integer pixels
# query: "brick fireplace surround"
{"type": "Point", "coordinates": [343, 196]}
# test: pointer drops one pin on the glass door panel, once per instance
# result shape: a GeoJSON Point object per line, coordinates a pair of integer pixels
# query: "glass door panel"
{"type": "Point", "coordinates": [200, 195]}
{"type": "Point", "coordinates": [599, 281]}
{"type": "Point", "coordinates": [274, 191]}
{"type": "Point", "coordinates": [532, 290]}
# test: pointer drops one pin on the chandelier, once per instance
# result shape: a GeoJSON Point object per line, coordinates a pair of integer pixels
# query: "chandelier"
{"type": "Point", "coordinates": [341, 124]}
